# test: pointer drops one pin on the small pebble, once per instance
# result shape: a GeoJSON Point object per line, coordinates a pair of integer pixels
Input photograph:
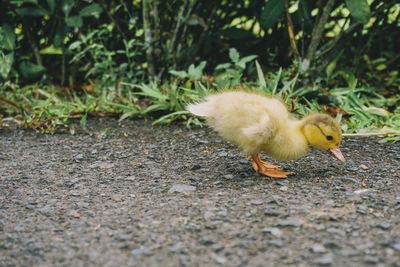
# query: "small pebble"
{"type": "Point", "coordinates": [75, 214]}
{"type": "Point", "coordinates": [364, 167]}
{"type": "Point", "coordinates": [217, 247]}
{"type": "Point", "coordinates": [336, 232]}
{"type": "Point", "coordinates": [282, 182]}
{"type": "Point", "coordinates": [371, 259]}
{"type": "Point", "coordinates": [318, 248]}
{"type": "Point", "coordinates": [195, 167]}
{"type": "Point", "coordinates": [396, 246]}
{"type": "Point", "coordinates": [208, 215]}
{"type": "Point", "coordinates": [385, 225]}
{"type": "Point", "coordinates": [362, 209]}
{"type": "Point", "coordinates": [361, 191]}
{"type": "Point", "coordinates": [131, 178]}
{"type": "Point", "coordinates": [105, 165]}
{"type": "Point", "coordinates": [206, 241]}
{"type": "Point", "coordinates": [219, 259]}
{"type": "Point", "coordinates": [140, 251]}
{"type": "Point", "coordinates": [273, 212]}
{"type": "Point", "coordinates": [47, 210]}
{"type": "Point", "coordinates": [276, 243]}
{"type": "Point", "coordinates": [181, 188]}
{"type": "Point", "coordinates": [256, 202]}
{"type": "Point", "coordinates": [324, 260]}
{"type": "Point", "coordinates": [79, 157]}
{"type": "Point", "coordinates": [228, 176]}
{"type": "Point", "coordinates": [273, 231]}
{"type": "Point", "coordinates": [290, 222]}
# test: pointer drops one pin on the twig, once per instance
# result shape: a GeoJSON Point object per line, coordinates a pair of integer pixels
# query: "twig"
{"type": "Point", "coordinates": [180, 29]}
{"type": "Point", "coordinates": [316, 35]}
{"type": "Point", "coordinates": [10, 104]}
{"type": "Point", "coordinates": [290, 28]}
{"type": "Point", "coordinates": [63, 68]}
{"type": "Point", "coordinates": [35, 48]}
{"type": "Point", "coordinates": [148, 36]}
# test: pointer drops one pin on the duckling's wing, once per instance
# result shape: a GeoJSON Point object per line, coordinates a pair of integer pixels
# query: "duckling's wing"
{"type": "Point", "coordinates": [261, 131]}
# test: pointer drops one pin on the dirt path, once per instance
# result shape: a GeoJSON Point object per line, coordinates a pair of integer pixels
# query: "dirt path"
{"type": "Point", "coordinates": [167, 196]}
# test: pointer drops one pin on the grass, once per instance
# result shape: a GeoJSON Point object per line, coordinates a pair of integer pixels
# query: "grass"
{"type": "Point", "coordinates": [45, 109]}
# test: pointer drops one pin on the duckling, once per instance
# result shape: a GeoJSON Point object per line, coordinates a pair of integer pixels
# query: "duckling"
{"type": "Point", "coordinates": [259, 123]}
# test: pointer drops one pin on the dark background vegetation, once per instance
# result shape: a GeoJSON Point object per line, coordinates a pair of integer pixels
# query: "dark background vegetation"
{"type": "Point", "coordinates": [150, 57]}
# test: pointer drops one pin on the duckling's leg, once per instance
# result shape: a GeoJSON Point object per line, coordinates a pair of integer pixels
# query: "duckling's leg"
{"type": "Point", "coordinates": [267, 169]}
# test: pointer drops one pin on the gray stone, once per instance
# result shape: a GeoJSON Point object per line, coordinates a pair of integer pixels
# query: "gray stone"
{"type": "Point", "coordinates": [79, 157]}
{"type": "Point", "coordinates": [371, 259]}
{"type": "Point", "coordinates": [181, 188]}
{"type": "Point", "coordinates": [273, 231]}
{"type": "Point", "coordinates": [140, 251]}
{"type": "Point", "coordinates": [290, 222]}
{"type": "Point", "coordinates": [256, 202]}
{"type": "Point", "coordinates": [396, 246]}
{"type": "Point", "coordinates": [318, 248]}
{"type": "Point", "coordinates": [386, 225]}
{"type": "Point", "coordinates": [324, 260]}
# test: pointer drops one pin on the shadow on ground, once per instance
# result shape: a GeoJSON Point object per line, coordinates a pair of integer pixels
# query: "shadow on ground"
{"type": "Point", "coordinates": [168, 196]}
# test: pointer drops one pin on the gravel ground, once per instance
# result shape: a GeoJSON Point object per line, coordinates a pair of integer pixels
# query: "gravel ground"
{"type": "Point", "coordinates": [168, 196]}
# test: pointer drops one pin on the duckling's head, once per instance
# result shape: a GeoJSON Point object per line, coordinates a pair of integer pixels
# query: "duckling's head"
{"type": "Point", "coordinates": [323, 132]}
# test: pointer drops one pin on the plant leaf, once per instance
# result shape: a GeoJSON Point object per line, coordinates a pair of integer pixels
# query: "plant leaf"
{"type": "Point", "coordinates": [272, 11]}
{"type": "Point", "coordinates": [51, 50]}
{"type": "Point", "coordinates": [223, 66]}
{"type": "Point", "coordinates": [243, 61]}
{"type": "Point", "coordinates": [195, 73]}
{"type": "Point", "coordinates": [66, 6]}
{"type": "Point", "coordinates": [303, 16]}
{"type": "Point", "coordinates": [7, 37]}
{"type": "Point", "coordinates": [83, 121]}
{"type": "Point", "coordinates": [31, 11]}
{"type": "Point", "coordinates": [91, 10]}
{"type": "Point", "coordinates": [234, 55]}
{"type": "Point", "coordinates": [359, 10]}
{"type": "Point", "coordinates": [30, 70]}
{"type": "Point", "coordinates": [260, 74]}
{"type": "Point", "coordinates": [234, 33]}
{"type": "Point", "coordinates": [6, 62]}
{"type": "Point", "coordinates": [74, 21]}
{"type": "Point", "coordinates": [180, 74]}
{"type": "Point", "coordinates": [51, 4]}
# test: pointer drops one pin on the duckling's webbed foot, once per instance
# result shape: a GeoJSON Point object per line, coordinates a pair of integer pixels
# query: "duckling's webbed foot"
{"type": "Point", "coordinates": [267, 169]}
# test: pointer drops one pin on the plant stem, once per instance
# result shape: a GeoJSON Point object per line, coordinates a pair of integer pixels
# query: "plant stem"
{"type": "Point", "coordinates": [148, 36]}
{"type": "Point", "coordinates": [317, 35]}
{"type": "Point", "coordinates": [35, 48]}
{"type": "Point", "coordinates": [290, 28]}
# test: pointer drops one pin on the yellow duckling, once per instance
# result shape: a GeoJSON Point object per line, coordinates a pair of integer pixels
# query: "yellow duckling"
{"type": "Point", "coordinates": [263, 124]}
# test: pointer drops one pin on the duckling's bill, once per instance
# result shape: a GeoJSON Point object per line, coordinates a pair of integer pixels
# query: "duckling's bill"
{"type": "Point", "coordinates": [338, 154]}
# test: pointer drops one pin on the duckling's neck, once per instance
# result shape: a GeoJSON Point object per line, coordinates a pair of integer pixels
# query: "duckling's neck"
{"type": "Point", "coordinates": [289, 143]}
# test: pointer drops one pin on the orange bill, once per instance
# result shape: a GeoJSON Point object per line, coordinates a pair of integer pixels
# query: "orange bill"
{"type": "Point", "coordinates": [338, 154]}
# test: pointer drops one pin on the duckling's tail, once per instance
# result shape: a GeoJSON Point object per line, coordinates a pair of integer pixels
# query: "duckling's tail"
{"type": "Point", "coordinates": [199, 109]}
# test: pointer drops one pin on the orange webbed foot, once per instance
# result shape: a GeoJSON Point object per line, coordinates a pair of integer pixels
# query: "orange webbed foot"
{"type": "Point", "coordinates": [267, 169]}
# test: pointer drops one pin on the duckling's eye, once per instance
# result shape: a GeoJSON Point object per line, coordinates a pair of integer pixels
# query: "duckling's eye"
{"type": "Point", "coordinates": [329, 137]}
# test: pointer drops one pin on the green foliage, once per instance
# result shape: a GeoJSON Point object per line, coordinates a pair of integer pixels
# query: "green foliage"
{"type": "Point", "coordinates": [359, 9]}
{"type": "Point", "coordinates": [184, 33]}
{"type": "Point", "coordinates": [271, 13]}
{"type": "Point", "coordinates": [91, 56]}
